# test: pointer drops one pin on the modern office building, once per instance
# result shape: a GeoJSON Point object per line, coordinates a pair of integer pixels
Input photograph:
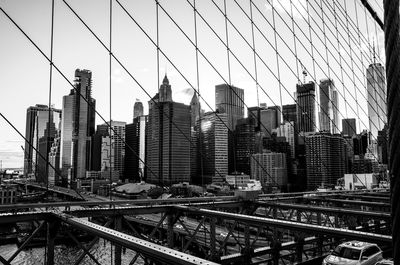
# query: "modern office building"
{"type": "Point", "coordinates": [349, 127]}
{"type": "Point", "coordinates": [305, 95]}
{"type": "Point", "coordinates": [269, 168]}
{"type": "Point", "coordinates": [377, 107]}
{"type": "Point", "coordinates": [230, 100]}
{"type": "Point", "coordinates": [289, 112]}
{"type": "Point", "coordinates": [113, 148]}
{"type": "Point", "coordinates": [40, 133]}
{"type": "Point", "coordinates": [137, 108]}
{"type": "Point", "coordinates": [135, 135]}
{"type": "Point", "coordinates": [325, 159]}
{"type": "Point", "coordinates": [168, 139]}
{"type": "Point", "coordinates": [328, 102]}
{"type": "Point", "coordinates": [214, 147]}
{"type": "Point", "coordinates": [78, 127]}
{"type": "Point", "coordinates": [245, 144]}
{"type": "Point", "coordinates": [270, 119]}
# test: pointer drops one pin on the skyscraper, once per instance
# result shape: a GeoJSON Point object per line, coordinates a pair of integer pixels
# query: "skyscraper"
{"type": "Point", "coordinates": [135, 135]}
{"type": "Point", "coordinates": [270, 119]}
{"type": "Point", "coordinates": [137, 109]}
{"type": "Point", "coordinates": [289, 112]}
{"type": "Point", "coordinates": [78, 126]}
{"type": "Point", "coordinates": [328, 115]}
{"type": "Point", "coordinates": [214, 143]}
{"type": "Point", "coordinates": [305, 95]}
{"type": "Point", "coordinates": [325, 159]}
{"type": "Point", "coordinates": [117, 148]}
{"type": "Point", "coordinates": [349, 127]}
{"type": "Point", "coordinates": [269, 168]}
{"type": "Point", "coordinates": [168, 139]}
{"type": "Point", "coordinates": [245, 144]}
{"type": "Point", "coordinates": [40, 138]}
{"type": "Point", "coordinates": [229, 100]}
{"type": "Point", "coordinates": [376, 98]}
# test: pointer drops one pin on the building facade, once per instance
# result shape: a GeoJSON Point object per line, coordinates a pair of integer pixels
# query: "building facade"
{"type": "Point", "coordinates": [377, 107]}
{"type": "Point", "coordinates": [214, 147]}
{"type": "Point", "coordinates": [269, 168]}
{"type": "Point", "coordinates": [328, 102]}
{"type": "Point", "coordinates": [40, 133]}
{"type": "Point", "coordinates": [78, 127]}
{"type": "Point", "coordinates": [305, 95]}
{"type": "Point", "coordinates": [325, 159]}
{"type": "Point", "coordinates": [349, 127]}
{"type": "Point", "coordinates": [168, 139]}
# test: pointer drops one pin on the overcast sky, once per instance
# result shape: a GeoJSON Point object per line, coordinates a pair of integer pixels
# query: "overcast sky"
{"type": "Point", "coordinates": [24, 72]}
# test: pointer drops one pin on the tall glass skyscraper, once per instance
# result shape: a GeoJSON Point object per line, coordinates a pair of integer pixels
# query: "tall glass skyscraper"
{"type": "Point", "coordinates": [168, 139]}
{"type": "Point", "coordinates": [305, 95]}
{"type": "Point", "coordinates": [377, 107]}
{"type": "Point", "coordinates": [40, 133]}
{"type": "Point", "coordinates": [78, 127]}
{"type": "Point", "coordinates": [229, 100]}
{"type": "Point", "coordinates": [137, 109]}
{"type": "Point", "coordinates": [328, 115]}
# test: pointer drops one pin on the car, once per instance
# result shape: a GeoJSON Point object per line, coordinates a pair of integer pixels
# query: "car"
{"type": "Point", "coordinates": [385, 262]}
{"type": "Point", "coordinates": [354, 253]}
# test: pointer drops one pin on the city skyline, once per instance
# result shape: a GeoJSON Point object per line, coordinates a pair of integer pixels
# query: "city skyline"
{"type": "Point", "coordinates": [69, 56]}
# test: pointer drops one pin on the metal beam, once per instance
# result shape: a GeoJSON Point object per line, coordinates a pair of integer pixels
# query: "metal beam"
{"type": "Point", "coordinates": [6, 218]}
{"type": "Point", "coordinates": [294, 226]}
{"type": "Point", "coordinates": [154, 251]}
{"type": "Point", "coordinates": [332, 210]}
{"type": "Point", "coordinates": [352, 202]}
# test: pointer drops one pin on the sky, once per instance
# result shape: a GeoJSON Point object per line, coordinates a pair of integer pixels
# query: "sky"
{"type": "Point", "coordinates": [24, 71]}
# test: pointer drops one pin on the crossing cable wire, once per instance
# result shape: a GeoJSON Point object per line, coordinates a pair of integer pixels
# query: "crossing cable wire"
{"type": "Point", "coordinates": [392, 46]}
{"type": "Point", "coordinates": [353, 25]}
{"type": "Point", "coordinates": [361, 70]}
{"type": "Point", "coordinates": [127, 71]}
{"type": "Point", "coordinates": [50, 88]}
{"type": "Point", "coordinates": [326, 46]}
{"type": "Point", "coordinates": [48, 121]}
{"type": "Point", "coordinates": [308, 52]}
{"type": "Point", "coordinates": [69, 82]}
{"type": "Point", "coordinates": [288, 47]}
{"type": "Point", "coordinates": [111, 123]}
{"type": "Point", "coordinates": [271, 46]}
{"type": "Point", "coordinates": [198, 89]}
{"type": "Point", "coordinates": [254, 51]}
{"type": "Point", "coordinates": [177, 69]}
{"type": "Point", "coordinates": [310, 39]}
{"type": "Point", "coordinates": [233, 54]}
{"type": "Point", "coordinates": [227, 44]}
{"type": "Point", "coordinates": [277, 60]}
{"type": "Point", "coordinates": [351, 60]}
{"type": "Point", "coordinates": [321, 69]}
{"type": "Point", "coordinates": [368, 46]}
{"type": "Point", "coordinates": [238, 59]}
{"type": "Point", "coordinates": [338, 62]}
{"type": "Point", "coordinates": [294, 41]}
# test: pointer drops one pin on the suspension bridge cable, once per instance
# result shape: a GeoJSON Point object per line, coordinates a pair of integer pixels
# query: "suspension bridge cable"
{"type": "Point", "coordinates": [362, 71]}
{"type": "Point", "coordinates": [254, 51]}
{"type": "Point", "coordinates": [127, 71]}
{"type": "Point", "coordinates": [234, 54]}
{"type": "Point", "coordinates": [67, 80]}
{"type": "Point", "coordinates": [308, 52]}
{"type": "Point", "coordinates": [272, 46]}
{"type": "Point", "coordinates": [141, 28]}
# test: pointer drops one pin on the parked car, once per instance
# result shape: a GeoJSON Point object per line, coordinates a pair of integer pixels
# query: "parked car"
{"type": "Point", "coordinates": [354, 253]}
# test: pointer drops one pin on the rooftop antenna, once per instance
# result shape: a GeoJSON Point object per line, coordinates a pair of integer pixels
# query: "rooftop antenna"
{"type": "Point", "coordinates": [304, 75]}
